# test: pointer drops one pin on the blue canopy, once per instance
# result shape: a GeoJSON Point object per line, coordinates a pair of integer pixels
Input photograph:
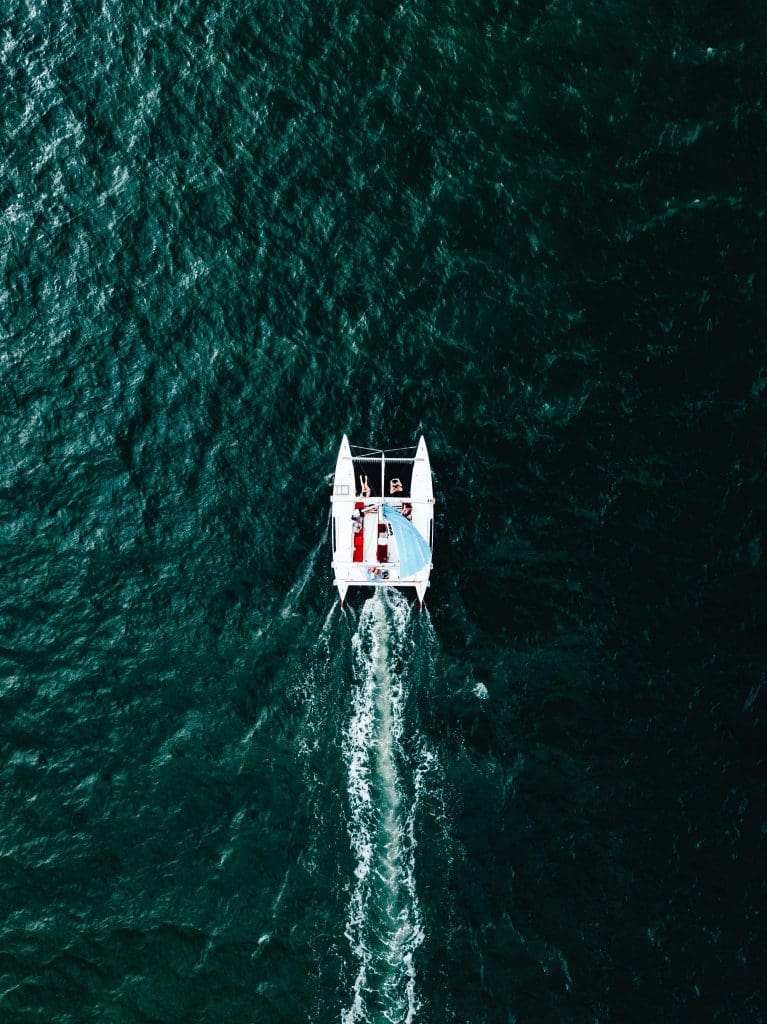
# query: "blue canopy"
{"type": "Point", "coordinates": [414, 552]}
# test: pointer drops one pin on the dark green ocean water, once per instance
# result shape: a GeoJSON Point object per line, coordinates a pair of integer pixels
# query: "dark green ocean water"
{"type": "Point", "coordinates": [231, 233]}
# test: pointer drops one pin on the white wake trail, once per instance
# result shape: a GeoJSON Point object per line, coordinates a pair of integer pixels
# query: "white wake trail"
{"type": "Point", "coordinates": [383, 926]}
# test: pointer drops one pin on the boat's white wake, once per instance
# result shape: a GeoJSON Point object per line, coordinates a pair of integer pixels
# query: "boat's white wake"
{"type": "Point", "coordinates": [384, 925]}
{"type": "Point", "coordinates": [372, 669]}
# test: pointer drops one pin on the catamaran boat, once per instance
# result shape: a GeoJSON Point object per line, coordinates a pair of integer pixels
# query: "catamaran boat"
{"type": "Point", "coordinates": [382, 518]}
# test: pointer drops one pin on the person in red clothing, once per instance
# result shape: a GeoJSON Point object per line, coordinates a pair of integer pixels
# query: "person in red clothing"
{"type": "Point", "coordinates": [359, 544]}
{"type": "Point", "coordinates": [358, 528]}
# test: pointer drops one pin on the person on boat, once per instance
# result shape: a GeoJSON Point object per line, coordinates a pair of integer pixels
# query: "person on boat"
{"type": "Point", "coordinates": [407, 510]}
{"type": "Point", "coordinates": [358, 515]}
{"type": "Point", "coordinates": [358, 529]}
{"type": "Point", "coordinates": [395, 485]}
{"type": "Point", "coordinates": [364, 487]}
{"type": "Point", "coordinates": [358, 544]}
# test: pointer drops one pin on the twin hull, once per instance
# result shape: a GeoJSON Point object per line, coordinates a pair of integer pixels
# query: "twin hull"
{"type": "Point", "coordinates": [382, 533]}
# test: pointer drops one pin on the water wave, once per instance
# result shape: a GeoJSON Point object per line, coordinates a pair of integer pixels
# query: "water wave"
{"type": "Point", "coordinates": [384, 926]}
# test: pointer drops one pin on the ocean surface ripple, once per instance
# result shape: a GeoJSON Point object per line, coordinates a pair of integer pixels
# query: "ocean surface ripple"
{"type": "Point", "coordinates": [230, 234]}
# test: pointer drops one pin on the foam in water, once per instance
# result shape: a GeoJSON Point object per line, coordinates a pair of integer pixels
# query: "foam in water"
{"type": "Point", "coordinates": [384, 922]}
{"type": "Point", "coordinates": [308, 572]}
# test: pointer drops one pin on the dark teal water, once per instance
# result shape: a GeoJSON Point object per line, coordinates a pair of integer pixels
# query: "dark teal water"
{"type": "Point", "coordinates": [230, 234]}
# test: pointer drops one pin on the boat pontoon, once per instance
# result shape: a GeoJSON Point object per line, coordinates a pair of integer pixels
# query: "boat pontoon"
{"type": "Point", "coordinates": [382, 523]}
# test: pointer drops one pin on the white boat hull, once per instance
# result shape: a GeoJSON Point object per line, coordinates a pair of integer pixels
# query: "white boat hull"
{"type": "Point", "coordinates": [368, 556]}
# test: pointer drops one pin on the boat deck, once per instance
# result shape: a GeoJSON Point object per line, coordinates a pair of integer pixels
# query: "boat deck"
{"type": "Point", "coordinates": [376, 559]}
{"type": "Point", "coordinates": [372, 543]}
